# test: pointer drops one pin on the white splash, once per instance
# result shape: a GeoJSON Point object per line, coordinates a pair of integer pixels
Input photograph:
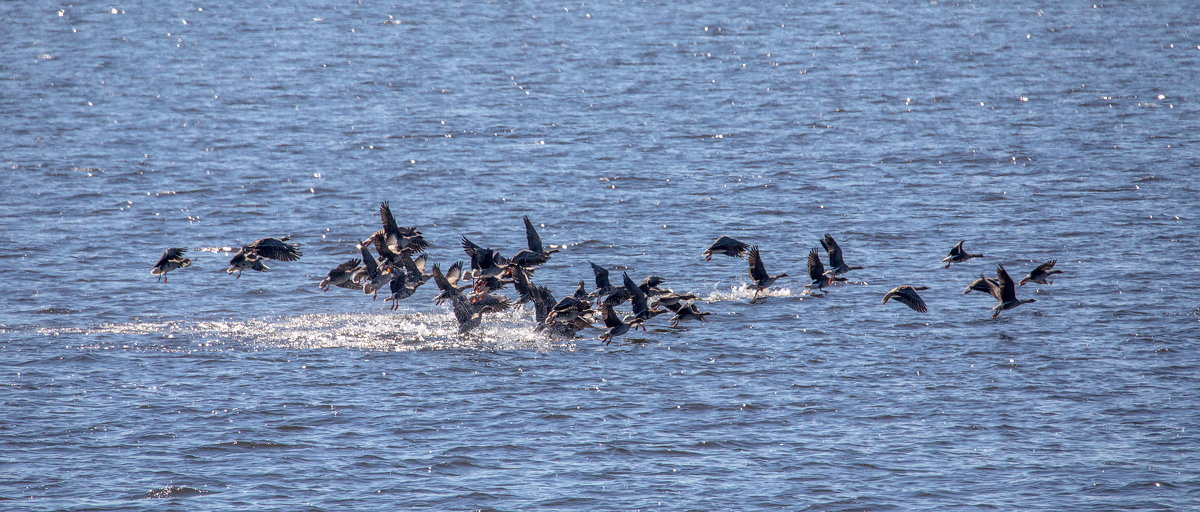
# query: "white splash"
{"type": "Point", "coordinates": [747, 292]}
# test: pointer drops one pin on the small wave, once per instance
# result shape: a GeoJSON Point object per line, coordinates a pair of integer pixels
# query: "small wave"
{"type": "Point", "coordinates": [251, 445]}
{"type": "Point", "coordinates": [174, 491]}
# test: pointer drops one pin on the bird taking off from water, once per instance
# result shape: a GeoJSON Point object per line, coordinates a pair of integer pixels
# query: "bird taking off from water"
{"type": "Point", "coordinates": [837, 266]}
{"type": "Point", "coordinates": [758, 273]}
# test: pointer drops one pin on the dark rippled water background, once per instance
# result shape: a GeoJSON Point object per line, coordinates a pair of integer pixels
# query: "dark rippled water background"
{"type": "Point", "coordinates": [633, 133]}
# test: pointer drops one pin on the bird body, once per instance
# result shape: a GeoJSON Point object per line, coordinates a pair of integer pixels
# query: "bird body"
{"type": "Point", "coordinates": [447, 283]}
{"type": "Point", "coordinates": [374, 275]}
{"type": "Point", "coordinates": [469, 312]}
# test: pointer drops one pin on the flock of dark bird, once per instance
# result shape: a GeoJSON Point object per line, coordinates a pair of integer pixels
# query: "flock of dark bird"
{"type": "Point", "coordinates": [401, 268]}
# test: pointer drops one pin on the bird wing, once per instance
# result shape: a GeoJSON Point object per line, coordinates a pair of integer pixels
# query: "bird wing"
{"type": "Point", "coordinates": [531, 236]}
{"type": "Point", "coordinates": [758, 271]}
{"type": "Point", "coordinates": [580, 291]}
{"type": "Point", "coordinates": [369, 261]}
{"type": "Point", "coordinates": [275, 249]}
{"type": "Point", "coordinates": [420, 262]}
{"type": "Point", "coordinates": [1008, 290]}
{"type": "Point", "coordinates": [348, 266]}
{"type": "Point", "coordinates": [170, 254]}
{"type": "Point", "coordinates": [440, 280]}
{"type": "Point", "coordinates": [395, 285]}
{"type": "Point", "coordinates": [454, 273]}
{"type": "Point", "coordinates": [636, 295]}
{"type": "Point", "coordinates": [464, 311]}
{"type": "Point", "coordinates": [729, 243]}
{"type": "Point", "coordinates": [815, 268]}
{"type": "Point", "coordinates": [651, 282]}
{"type": "Point", "coordinates": [909, 297]}
{"type": "Point", "coordinates": [610, 316]}
{"type": "Point", "coordinates": [835, 251]}
{"type": "Point", "coordinates": [522, 284]}
{"type": "Point", "coordinates": [602, 282]}
{"type": "Point", "coordinates": [390, 228]}
{"type": "Point", "coordinates": [470, 248]}
{"type": "Point", "coordinates": [1045, 267]}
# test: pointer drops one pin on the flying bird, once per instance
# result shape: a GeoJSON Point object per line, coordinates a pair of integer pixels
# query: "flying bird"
{"type": "Point", "coordinates": [1041, 274]}
{"type": "Point", "coordinates": [1008, 293]}
{"type": "Point", "coordinates": [908, 296]}
{"type": "Point", "coordinates": [726, 245]}
{"type": "Point", "coordinates": [171, 259]}
{"type": "Point", "coordinates": [342, 276]}
{"type": "Point", "coordinates": [250, 257]}
{"type": "Point", "coordinates": [958, 254]}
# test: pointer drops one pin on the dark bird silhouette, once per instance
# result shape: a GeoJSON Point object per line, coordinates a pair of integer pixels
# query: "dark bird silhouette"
{"type": "Point", "coordinates": [447, 283]}
{"type": "Point", "coordinates": [640, 306]}
{"type": "Point", "coordinates": [603, 285]}
{"type": "Point", "coordinates": [393, 240]}
{"type": "Point", "coordinates": [374, 275]}
{"type": "Point", "coordinates": [469, 313]}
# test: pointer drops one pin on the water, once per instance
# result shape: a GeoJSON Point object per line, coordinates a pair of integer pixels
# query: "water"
{"type": "Point", "coordinates": [633, 134]}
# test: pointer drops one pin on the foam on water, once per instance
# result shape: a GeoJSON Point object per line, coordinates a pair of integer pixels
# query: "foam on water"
{"type": "Point", "coordinates": [511, 330]}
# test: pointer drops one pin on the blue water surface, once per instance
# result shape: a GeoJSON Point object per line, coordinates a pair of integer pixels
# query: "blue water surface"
{"type": "Point", "coordinates": [633, 134]}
